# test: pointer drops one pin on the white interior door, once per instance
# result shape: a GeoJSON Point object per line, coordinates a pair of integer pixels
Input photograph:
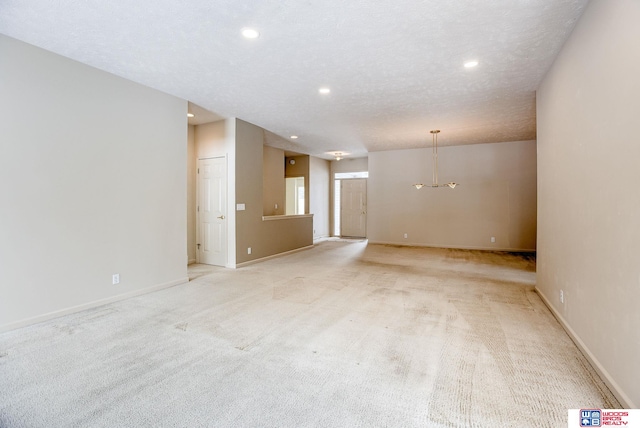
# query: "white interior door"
{"type": "Point", "coordinates": [353, 203]}
{"type": "Point", "coordinates": [212, 211]}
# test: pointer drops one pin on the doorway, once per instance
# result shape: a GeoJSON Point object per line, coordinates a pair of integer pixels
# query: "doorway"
{"type": "Point", "coordinates": [294, 189]}
{"type": "Point", "coordinates": [211, 246]}
{"type": "Point", "coordinates": [353, 208]}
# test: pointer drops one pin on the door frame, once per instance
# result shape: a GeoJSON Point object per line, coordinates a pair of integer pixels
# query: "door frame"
{"type": "Point", "coordinates": [366, 187]}
{"type": "Point", "coordinates": [226, 214]}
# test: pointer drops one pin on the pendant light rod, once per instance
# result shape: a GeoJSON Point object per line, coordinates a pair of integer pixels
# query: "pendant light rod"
{"type": "Point", "coordinates": [434, 152]}
{"type": "Point", "coordinates": [434, 148]}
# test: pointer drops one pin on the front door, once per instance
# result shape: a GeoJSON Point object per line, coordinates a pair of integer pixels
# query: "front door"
{"type": "Point", "coordinates": [353, 202]}
{"type": "Point", "coordinates": [212, 211]}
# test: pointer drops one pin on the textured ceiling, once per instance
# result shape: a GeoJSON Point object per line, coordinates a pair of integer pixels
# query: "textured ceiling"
{"type": "Point", "coordinates": [395, 67]}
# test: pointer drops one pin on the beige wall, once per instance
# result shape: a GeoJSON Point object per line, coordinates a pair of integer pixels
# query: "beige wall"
{"type": "Point", "coordinates": [350, 165]}
{"type": "Point", "coordinates": [496, 197]}
{"type": "Point", "coordinates": [265, 238]}
{"type": "Point", "coordinates": [191, 194]}
{"type": "Point", "coordinates": [93, 181]}
{"type": "Point", "coordinates": [212, 139]}
{"type": "Point", "coordinates": [588, 180]}
{"type": "Point", "coordinates": [319, 194]}
{"type": "Point", "coordinates": [273, 183]}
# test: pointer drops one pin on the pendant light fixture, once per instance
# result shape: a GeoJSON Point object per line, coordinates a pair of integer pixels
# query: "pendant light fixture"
{"type": "Point", "coordinates": [434, 148]}
{"type": "Point", "coordinates": [337, 155]}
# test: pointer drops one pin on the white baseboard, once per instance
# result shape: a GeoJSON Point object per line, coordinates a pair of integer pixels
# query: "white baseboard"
{"type": "Point", "coordinates": [191, 261]}
{"type": "Point", "coordinates": [454, 247]}
{"type": "Point", "coordinates": [273, 256]}
{"type": "Point", "coordinates": [90, 305]}
{"type": "Point", "coordinates": [604, 374]}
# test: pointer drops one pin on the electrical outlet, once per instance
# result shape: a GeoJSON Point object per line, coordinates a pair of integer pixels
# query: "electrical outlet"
{"type": "Point", "coordinates": [115, 279]}
{"type": "Point", "coordinates": [561, 296]}
{"type": "Point", "coordinates": [249, 250]}
{"type": "Point", "coordinates": [493, 239]}
{"type": "Point", "coordinates": [406, 236]}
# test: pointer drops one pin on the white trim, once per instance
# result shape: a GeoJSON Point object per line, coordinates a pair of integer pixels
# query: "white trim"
{"type": "Point", "coordinates": [273, 256]}
{"type": "Point", "coordinates": [604, 374]}
{"type": "Point", "coordinates": [191, 261]}
{"type": "Point", "coordinates": [90, 305]}
{"type": "Point", "coordinates": [458, 247]}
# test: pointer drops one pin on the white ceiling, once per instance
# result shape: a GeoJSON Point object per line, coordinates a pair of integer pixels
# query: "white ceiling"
{"type": "Point", "coordinates": [395, 67]}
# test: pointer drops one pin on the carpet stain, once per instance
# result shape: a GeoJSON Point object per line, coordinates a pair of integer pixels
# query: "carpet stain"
{"type": "Point", "coordinates": [299, 291]}
{"type": "Point", "coordinates": [388, 292]}
{"type": "Point", "coordinates": [182, 326]}
{"type": "Point", "coordinates": [67, 329]}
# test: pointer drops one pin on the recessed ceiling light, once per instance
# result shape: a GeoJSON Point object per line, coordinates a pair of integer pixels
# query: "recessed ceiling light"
{"type": "Point", "coordinates": [324, 90]}
{"type": "Point", "coordinates": [250, 33]}
{"type": "Point", "coordinates": [470, 64]}
{"type": "Point", "coordinates": [191, 115]}
{"type": "Point", "coordinates": [294, 137]}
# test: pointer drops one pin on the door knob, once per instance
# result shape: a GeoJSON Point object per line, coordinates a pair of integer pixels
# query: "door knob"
{"type": "Point", "coordinates": [221, 217]}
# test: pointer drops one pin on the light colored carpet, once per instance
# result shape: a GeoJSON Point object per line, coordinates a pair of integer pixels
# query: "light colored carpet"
{"type": "Point", "coordinates": [340, 335]}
